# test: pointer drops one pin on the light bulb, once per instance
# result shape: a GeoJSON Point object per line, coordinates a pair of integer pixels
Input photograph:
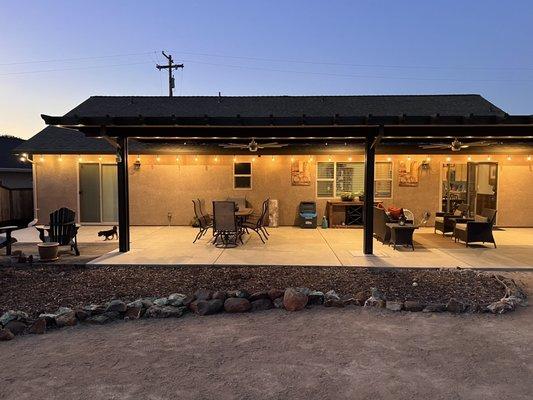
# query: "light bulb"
{"type": "Point", "coordinates": [349, 158]}
{"type": "Point", "coordinates": [508, 158]}
{"type": "Point", "coordinates": [41, 158]}
{"type": "Point", "coordinates": [389, 159]}
{"type": "Point", "coordinates": [60, 158]}
{"type": "Point", "coordinates": [158, 158]}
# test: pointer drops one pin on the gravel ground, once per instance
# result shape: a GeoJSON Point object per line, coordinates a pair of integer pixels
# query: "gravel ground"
{"type": "Point", "coordinates": [45, 288]}
{"type": "Point", "coordinates": [350, 353]}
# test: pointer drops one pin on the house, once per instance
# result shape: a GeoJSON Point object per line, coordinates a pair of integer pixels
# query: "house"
{"type": "Point", "coordinates": [141, 160]}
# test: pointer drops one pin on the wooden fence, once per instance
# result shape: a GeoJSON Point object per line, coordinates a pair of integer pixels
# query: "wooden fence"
{"type": "Point", "coordinates": [16, 206]}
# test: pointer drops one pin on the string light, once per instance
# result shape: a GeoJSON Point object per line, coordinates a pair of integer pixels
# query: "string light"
{"type": "Point", "coordinates": [272, 158]}
{"type": "Point", "coordinates": [528, 158]}
{"type": "Point", "coordinates": [41, 158]}
{"type": "Point", "coordinates": [508, 158]}
{"type": "Point", "coordinates": [408, 158]}
{"type": "Point", "coordinates": [177, 158]}
{"type": "Point", "coordinates": [196, 158]}
{"type": "Point", "coordinates": [329, 158]}
{"type": "Point", "coordinates": [216, 158]}
{"type": "Point", "coordinates": [469, 158]}
{"type": "Point", "coordinates": [253, 159]}
{"type": "Point", "coordinates": [80, 159]}
{"type": "Point", "coordinates": [60, 158]}
{"type": "Point", "coordinates": [138, 157]}
{"type": "Point", "coordinates": [99, 158]}
{"type": "Point", "coordinates": [350, 158]}
{"type": "Point", "coordinates": [428, 158]}
{"type": "Point", "coordinates": [488, 158]}
{"type": "Point", "coordinates": [310, 158]}
{"type": "Point", "coordinates": [292, 159]}
{"type": "Point", "coordinates": [158, 158]}
{"type": "Point", "coordinates": [389, 159]}
{"type": "Point", "coordinates": [448, 159]}
{"type": "Point", "coordinates": [234, 158]}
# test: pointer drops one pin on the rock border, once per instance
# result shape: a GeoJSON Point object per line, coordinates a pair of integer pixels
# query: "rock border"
{"type": "Point", "coordinates": [207, 302]}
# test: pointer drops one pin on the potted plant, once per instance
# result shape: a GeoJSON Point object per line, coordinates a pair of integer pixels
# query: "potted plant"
{"type": "Point", "coordinates": [361, 196]}
{"type": "Point", "coordinates": [347, 197]}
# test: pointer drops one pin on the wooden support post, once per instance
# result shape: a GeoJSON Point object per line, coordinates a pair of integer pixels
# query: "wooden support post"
{"type": "Point", "coordinates": [123, 195]}
{"type": "Point", "coordinates": [370, 158]}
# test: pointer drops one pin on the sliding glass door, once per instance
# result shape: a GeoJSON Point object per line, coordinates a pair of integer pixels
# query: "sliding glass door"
{"type": "Point", "coordinates": [98, 193]}
{"type": "Point", "coordinates": [482, 186]}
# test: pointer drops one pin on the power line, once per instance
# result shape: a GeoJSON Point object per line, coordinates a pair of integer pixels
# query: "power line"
{"type": "Point", "coordinates": [279, 60]}
{"type": "Point", "coordinates": [73, 68]}
{"type": "Point", "coordinates": [77, 58]}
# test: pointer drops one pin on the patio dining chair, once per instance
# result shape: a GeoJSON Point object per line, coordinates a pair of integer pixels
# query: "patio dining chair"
{"type": "Point", "coordinates": [259, 225]}
{"type": "Point", "coordinates": [226, 230]}
{"type": "Point", "coordinates": [204, 221]}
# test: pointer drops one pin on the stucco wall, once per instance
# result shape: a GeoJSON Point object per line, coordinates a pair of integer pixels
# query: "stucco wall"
{"type": "Point", "coordinates": [168, 186]}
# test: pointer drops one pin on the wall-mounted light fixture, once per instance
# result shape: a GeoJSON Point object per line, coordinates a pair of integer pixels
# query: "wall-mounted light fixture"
{"type": "Point", "coordinates": [25, 157]}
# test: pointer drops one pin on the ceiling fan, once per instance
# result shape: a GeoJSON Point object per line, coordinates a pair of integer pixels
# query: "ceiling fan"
{"type": "Point", "coordinates": [457, 145]}
{"type": "Point", "coordinates": [253, 146]}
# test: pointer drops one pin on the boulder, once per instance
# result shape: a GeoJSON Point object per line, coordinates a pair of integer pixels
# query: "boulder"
{"type": "Point", "coordinates": [81, 315]}
{"type": "Point", "coordinates": [331, 295]}
{"type": "Point", "coordinates": [315, 297]}
{"type": "Point", "coordinates": [6, 334]}
{"type": "Point", "coordinates": [360, 298]}
{"type": "Point", "coordinates": [237, 305]}
{"type": "Point", "coordinates": [294, 300]}
{"type": "Point", "coordinates": [113, 315]}
{"type": "Point", "coordinates": [394, 305]}
{"type": "Point", "coordinates": [278, 302]}
{"type": "Point", "coordinates": [434, 308]}
{"type": "Point", "coordinates": [133, 313]}
{"type": "Point", "coordinates": [99, 319]}
{"type": "Point", "coordinates": [188, 300]}
{"type": "Point", "coordinates": [262, 304]}
{"type": "Point", "coordinates": [50, 319]}
{"type": "Point", "coordinates": [116, 306]}
{"type": "Point", "coordinates": [242, 294]}
{"type": "Point", "coordinates": [258, 295]}
{"type": "Point", "coordinates": [16, 327]}
{"type": "Point", "coordinates": [164, 312]}
{"type": "Point", "coordinates": [376, 299]}
{"type": "Point", "coordinates": [12, 315]}
{"type": "Point", "coordinates": [94, 309]}
{"type": "Point", "coordinates": [274, 294]}
{"type": "Point", "coordinates": [193, 306]}
{"type": "Point", "coordinates": [208, 307]}
{"type": "Point", "coordinates": [220, 295]}
{"type": "Point", "coordinates": [66, 319]}
{"type": "Point", "coordinates": [203, 294]}
{"type": "Point", "coordinates": [176, 299]}
{"type": "Point", "coordinates": [304, 290]}
{"type": "Point", "coordinates": [38, 327]}
{"type": "Point", "coordinates": [455, 306]}
{"type": "Point", "coordinates": [413, 306]}
{"type": "Point", "coordinates": [161, 302]}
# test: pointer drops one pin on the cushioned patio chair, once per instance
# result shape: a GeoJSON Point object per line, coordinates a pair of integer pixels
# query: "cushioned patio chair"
{"type": "Point", "coordinates": [62, 229]}
{"type": "Point", "coordinates": [258, 226]}
{"type": "Point", "coordinates": [445, 222]}
{"type": "Point", "coordinates": [226, 230]}
{"type": "Point", "coordinates": [478, 230]}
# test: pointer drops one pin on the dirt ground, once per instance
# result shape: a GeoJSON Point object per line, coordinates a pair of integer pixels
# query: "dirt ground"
{"type": "Point", "coordinates": [350, 353]}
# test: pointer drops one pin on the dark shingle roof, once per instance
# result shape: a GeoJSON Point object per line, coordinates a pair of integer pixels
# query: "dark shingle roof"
{"type": "Point", "coordinates": [7, 158]}
{"type": "Point", "coordinates": [287, 106]}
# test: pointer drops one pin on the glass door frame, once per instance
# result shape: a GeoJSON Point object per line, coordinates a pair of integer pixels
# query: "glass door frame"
{"type": "Point", "coordinates": [101, 222]}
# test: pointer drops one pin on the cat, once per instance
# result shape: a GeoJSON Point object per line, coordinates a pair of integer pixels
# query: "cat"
{"type": "Point", "coordinates": [109, 234]}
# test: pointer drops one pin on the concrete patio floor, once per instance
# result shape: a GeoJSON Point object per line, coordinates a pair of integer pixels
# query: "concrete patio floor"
{"type": "Point", "coordinates": [294, 246]}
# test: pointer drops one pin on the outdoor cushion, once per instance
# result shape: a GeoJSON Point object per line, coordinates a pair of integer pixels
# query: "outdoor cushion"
{"type": "Point", "coordinates": [457, 213]}
{"type": "Point", "coordinates": [460, 227]}
{"type": "Point", "coordinates": [395, 213]}
{"type": "Point", "coordinates": [480, 218]}
{"type": "Point", "coordinates": [439, 219]}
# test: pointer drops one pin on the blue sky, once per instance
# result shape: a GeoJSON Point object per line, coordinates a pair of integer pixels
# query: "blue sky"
{"type": "Point", "coordinates": [259, 48]}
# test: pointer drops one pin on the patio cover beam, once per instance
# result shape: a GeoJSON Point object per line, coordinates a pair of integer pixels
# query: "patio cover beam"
{"type": "Point", "coordinates": [368, 218]}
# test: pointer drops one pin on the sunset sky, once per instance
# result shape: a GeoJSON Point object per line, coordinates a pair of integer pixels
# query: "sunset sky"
{"type": "Point", "coordinates": [56, 54]}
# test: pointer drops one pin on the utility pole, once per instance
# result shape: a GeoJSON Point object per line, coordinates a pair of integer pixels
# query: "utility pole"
{"type": "Point", "coordinates": [171, 66]}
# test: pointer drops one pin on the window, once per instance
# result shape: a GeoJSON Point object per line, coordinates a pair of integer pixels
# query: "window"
{"type": "Point", "coordinates": [337, 178]}
{"type": "Point", "coordinates": [242, 175]}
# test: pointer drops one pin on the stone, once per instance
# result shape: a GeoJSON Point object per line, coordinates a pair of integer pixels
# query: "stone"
{"type": "Point", "coordinates": [274, 294]}
{"type": "Point", "coordinates": [5, 335]}
{"type": "Point", "coordinates": [164, 312]}
{"type": "Point", "coordinates": [360, 298]}
{"type": "Point", "coordinates": [176, 299]}
{"type": "Point", "coordinates": [376, 293]}
{"type": "Point", "coordinates": [94, 309]}
{"type": "Point", "coordinates": [66, 319]}
{"type": "Point", "coordinates": [209, 307]}
{"type": "Point", "coordinates": [112, 315]}
{"type": "Point", "coordinates": [203, 294]}
{"type": "Point", "coordinates": [133, 313]}
{"type": "Point", "coordinates": [16, 327]}
{"type": "Point", "coordinates": [38, 327]}
{"type": "Point", "coordinates": [413, 306]}
{"type": "Point", "coordinates": [304, 290]}
{"type": "Point", "coordinates": [116, 306]}
{"type": "Point", "coordinates": [81, 315]}
{"type": "Point", "coordinates": [242, 294]}
{"type": "Point", "coordinates": [436, 307]}
{"type": "Point", "coordinates": [315, 297]}
{"type": "Point", "coordinates": [455, 306]}
{"type": "Point", "coordinates": [220, 295]}
{"type": "Point", "coordinates": [376, 299]}
{"type": "Point", "coordinates": [394, 305]}
{"type": "Point", "coordinates": [278, 302]}
{"type": "Point", "coordinates": [258, 295]}
{"type": "Point", "coordinates": [237, 305]}
{"type": "Point", "coordinates": [331, 295]}
{"type": "Point", "coordinates": [193, 307]}
{"type": "Point", "coordinates": [333, 302]}
{"type": "Point", "coordinates": [50, 319]}
{"type": "Point", "coordinates": [294, 300]}
{"type": "Point", "coordinates": [99, 319]}
{"type": "Point", "coordinates": [188, 300]}
{"type": "Point", "coordinates": [262, 304]}
{"type": "Point", "coordinates": [161, 302]}
{"type": "Point", "coordinates": [12, 315]}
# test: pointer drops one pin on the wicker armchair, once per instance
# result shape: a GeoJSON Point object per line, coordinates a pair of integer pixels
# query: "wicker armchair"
{"type": "Point", "coordinates": [445, 222]}
{"type": "Point", "coordinates": [478, 230]}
